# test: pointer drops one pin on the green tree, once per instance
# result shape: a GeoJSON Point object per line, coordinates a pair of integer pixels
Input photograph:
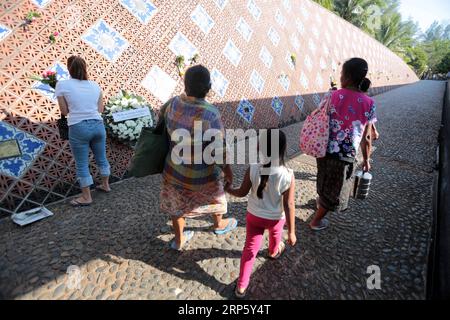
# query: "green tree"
{"type": "Point", "coordinates": [328, 4]}
{"type": "Point", "coordinates": [417, 59]}
{"type": "Point", "coordinates": [444, 65]}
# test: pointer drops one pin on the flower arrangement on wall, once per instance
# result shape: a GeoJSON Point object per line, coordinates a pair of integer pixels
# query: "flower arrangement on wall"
{"type": "Point", "coordinates": [180, 63]}
{"type": "Point", "coordinates": [125, 115]}
{"type": "Point", "coordinates": [47, 77]}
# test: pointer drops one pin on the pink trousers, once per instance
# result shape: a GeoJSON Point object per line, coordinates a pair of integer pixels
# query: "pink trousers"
{"type": "Point", "coordinates": [255, 232]}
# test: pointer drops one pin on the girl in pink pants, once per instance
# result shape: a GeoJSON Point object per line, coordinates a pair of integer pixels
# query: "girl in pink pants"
{"type": "Point", "coordinates": [272, 192]}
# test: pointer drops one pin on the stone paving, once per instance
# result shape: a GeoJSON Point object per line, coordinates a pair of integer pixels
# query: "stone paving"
{"type": "Point", "coordinates": [121, 242]}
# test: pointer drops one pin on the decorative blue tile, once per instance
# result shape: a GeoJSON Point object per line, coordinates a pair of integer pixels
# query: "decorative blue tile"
{"type": "Point", "coordinates": [143, 10]}
{"type": "Point", "coordinates": [304, 81]}
{"type": "Point", "coordinates": [181, 46]}
{"type": "Point", "coordinates": [159, 83]}
{"type": "Point", "coordinates": [289, 61]}
{"type": "Point", "coordinates": [266, 57]}
{"type": "Point", "coordinates": [105, 40]}
{"type": "Point", "coordinates": [273, 36]}
{"type": "Point", "coordinates": [287, 5]}
{"type": "Point", "coordinates": [41, 3]}
{"type": "Point", "coordinates": [257, 81]}
{"type": "Point", "coordinates": [202, 19]}
{"type": "Point", "coordinates": [255, 11]}
{"type": "Point", "coordinates": [285, 82]}
{"type": "Point", "coordinates": [277, 105]}
{"type": "Point", "coordinates": [219, 83]}
{"type": "Point", "coordinates": [280, 18]}
{"type": "Point", "coordinates": [244, 29]}
{"type": "Point", "coordinates": [30, 147]}
{"type": "Point", "coordinates": [246, 110]}
{"type": "Point", "coordinates": [45, 89]}
{"type": "Point", "coordinates": [295, 42]}
{"type": "Point", "coordinates": [232, 53]}
{"type": "Point", "coordinates": [4, 32]}
{"type": "Point", "coordinates": [299, 102]}
{"type": "Point", "coordinates": [300, 26]}
{"type": "Point", "coordinates": [317, 99]}
{"type": "Point", "coordinates": [308, 63]}
{"type": "Point", "coordinates": [221, 3]}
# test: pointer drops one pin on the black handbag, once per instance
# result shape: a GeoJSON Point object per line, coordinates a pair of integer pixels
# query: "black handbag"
{"type": "Point", "coordinates": [63, 128]}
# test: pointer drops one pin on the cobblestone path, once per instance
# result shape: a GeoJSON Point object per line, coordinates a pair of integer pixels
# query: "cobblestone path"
{"type": "Point", "coordinates": [121, 242]}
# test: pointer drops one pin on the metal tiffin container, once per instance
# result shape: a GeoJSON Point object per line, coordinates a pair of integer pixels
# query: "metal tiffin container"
{"type": "Point", "coordinates": [362, 184]}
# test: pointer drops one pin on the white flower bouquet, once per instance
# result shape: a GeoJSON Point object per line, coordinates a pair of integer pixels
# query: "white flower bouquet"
{"type": "Point", "coordinates": [127, 131]}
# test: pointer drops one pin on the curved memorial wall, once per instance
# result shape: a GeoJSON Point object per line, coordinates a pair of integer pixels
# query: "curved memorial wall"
{"type": "Point", "coordinates": [271, 61]}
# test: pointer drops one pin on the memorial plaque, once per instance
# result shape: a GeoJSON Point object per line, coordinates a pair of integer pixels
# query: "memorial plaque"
{"type": "Point", "coordinates": [9, 149]}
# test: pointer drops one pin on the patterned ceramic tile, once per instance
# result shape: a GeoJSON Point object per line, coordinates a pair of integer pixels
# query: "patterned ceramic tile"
{"type": "Point", "coordinates": [181, 46]}
{"type": "Point", "coordinates": [105, 40]}
{"type": "Point", "coordinates": [289, 61]}
{"type": "Point", "coordinates": [299, 102]}
{"type": "Point", "coordinates": [273, 36]}
{"type": "Point", "coordinates": [29, 145]}
{"type": "Point", "coordinates": [232, 53]}
{"type": "Point", "coordinates": [287, 5]}
{"type": "Point", "coordinates": [159, 83]}
{"type": "Point", "coordinates": [221, 3]}
{"type": "Point", "coordinates": [308, 63]}
{"type": "Point", "coordinates": [45, 89]}
{"type": "Point", "coordinates": [281, 20]}
{"type": "Point", "coordinates": [143, 10]}
{"type": "Point", "coordinates": [202, 19]}
{"type": "Point", "coordinates": [285, 82]}
{"type": "Point", "coordinates": [317, 99]}
{"type": "Point", "coordinates": [277, 105]}
{"type": "Point", "coordinates": [315, 32]}
{"type": "Point", "coordinates": [266, 57]}
{"type": "Point", "coordinates": [323, 64]}
{"type": "Point", "coordinates": [244, 29]}
{"type": "Point", "coordinates": [246, 110]}
{"type": "Point", "coordinates": [304, 81]}
{"type": "Point", "coordinates": [319, 81]}
{"type": "Point", "coordinates": [312, 46]}
{"type": "Point", "coordinates": [255, 11]}
{"type": "Point", "coordinates": [295, 42]}
{"type": "Point", "coordinates": [219, 82]}
{"type": "Point", "coordinates": [257, 81]}
{"type": "Point", "coordinates": [41, 3]}
{"type": "Point", "coordinates": [4, 32]}
{"type": "Point", "coordinates": [300, 26]}
{"type": "Point", "coordinates": [304, 11]}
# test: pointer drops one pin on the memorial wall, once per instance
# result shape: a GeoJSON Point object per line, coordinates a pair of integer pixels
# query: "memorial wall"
{"type": "Point", "coordinates": [270, 61]}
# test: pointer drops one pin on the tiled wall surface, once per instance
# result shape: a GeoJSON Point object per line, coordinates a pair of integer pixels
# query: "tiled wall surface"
{"type": "Point", "coordinates": [132, 45]}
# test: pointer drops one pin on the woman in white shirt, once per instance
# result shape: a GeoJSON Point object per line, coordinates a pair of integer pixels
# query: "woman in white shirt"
{"type": "Point", "coordinates": [271, 202]}
{"type": "Point", "coordinates": [81, 100]}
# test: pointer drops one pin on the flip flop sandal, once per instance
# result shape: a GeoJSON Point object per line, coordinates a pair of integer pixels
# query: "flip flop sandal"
{"type": "Point", "coordinates": [98, 188]}
{"type": "Point", "coordinates": [281, 249]}
{"type": "Point", "coordinates": [74, 203]}
{"type": "Point", "coordinates": [238, 294]}
{"type": "Point", "coordinates": [187, 237]}
{"type": "Point", "coordinates": [232, 224]}
{"type": "Point", "coordinates": [324, 223]}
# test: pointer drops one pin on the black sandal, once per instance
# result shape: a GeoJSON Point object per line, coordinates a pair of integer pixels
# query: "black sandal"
{"type": "Point", "coordinates": [238, 294]}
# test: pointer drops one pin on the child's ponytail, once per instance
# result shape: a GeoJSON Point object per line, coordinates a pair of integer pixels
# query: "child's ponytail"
{"type": "Point", "coordinates": [263, 183]}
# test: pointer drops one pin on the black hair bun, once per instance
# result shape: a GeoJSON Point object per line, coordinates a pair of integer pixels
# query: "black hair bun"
{"type": "Point", "coordinates": [365, 85]}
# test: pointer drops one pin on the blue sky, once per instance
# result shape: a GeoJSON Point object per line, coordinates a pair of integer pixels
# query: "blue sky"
{"type": "Point", "coordinates": [426, 11]}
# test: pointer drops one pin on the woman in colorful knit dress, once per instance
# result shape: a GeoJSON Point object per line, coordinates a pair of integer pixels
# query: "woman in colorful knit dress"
{"type": "Point", "coordinates": [193, 188]}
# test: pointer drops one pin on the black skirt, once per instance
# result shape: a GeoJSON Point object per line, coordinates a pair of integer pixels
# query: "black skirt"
{"type": "Point", "coordinates": [334, 182]}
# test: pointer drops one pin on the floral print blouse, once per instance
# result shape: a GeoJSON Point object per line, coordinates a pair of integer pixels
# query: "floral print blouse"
{"type": "Point", "coordinates": [350, 112]}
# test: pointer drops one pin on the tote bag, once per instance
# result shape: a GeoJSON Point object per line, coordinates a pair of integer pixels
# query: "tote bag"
{"type": "Point", "coordinates": [151, 151]}
{"type": "Point", "coordinates": [316, 130]}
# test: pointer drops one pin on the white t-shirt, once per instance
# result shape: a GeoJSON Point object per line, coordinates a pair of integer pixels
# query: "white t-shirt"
{"type": "Point", "coordinates": [82, 99]}
{"type": "Point", "coordinates": [271, 205]}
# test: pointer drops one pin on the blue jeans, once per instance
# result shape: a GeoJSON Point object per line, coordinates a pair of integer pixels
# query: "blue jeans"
{"type": "Point", "coordinates": [82, 136]}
